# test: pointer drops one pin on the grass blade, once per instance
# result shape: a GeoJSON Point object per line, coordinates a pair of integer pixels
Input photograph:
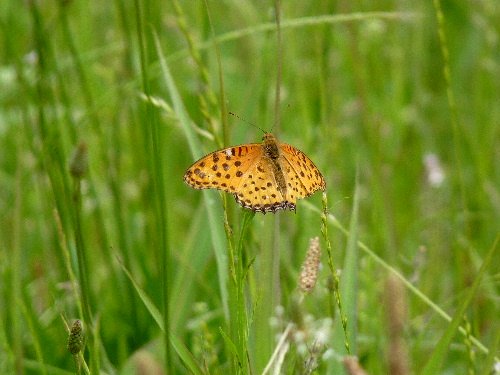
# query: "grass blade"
{"type": "Point", "coordinates": [434, 364]}
{"type": "Point", "coordinates": [181, 350]}
{"type": "Point", "coordinates": [212, 212]}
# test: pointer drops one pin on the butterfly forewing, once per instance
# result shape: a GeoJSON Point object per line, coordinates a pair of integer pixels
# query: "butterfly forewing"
{"type": "Point", "coordinates": [223, 169]}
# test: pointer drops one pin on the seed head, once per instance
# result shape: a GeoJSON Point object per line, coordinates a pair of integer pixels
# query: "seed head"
{"type": "Point", "coordinates": [75, 339]}
{"type": "Point", "coordinates": [310, 267]}
{"type": "Point", "coordinates": [79, 161]}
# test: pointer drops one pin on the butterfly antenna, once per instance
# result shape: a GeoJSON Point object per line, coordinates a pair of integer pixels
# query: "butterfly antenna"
{"type": "Point", "coordinates": [246, 122]}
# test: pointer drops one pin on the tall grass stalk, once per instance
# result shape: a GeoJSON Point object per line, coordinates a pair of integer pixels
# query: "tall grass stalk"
{"type": "Point", "coordinates": [154, 134]}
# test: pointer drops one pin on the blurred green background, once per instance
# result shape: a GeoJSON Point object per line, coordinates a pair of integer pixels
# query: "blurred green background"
{"type": "Point", "coordinates": [397, 103]}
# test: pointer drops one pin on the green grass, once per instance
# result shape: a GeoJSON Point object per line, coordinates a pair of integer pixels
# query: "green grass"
{"type": "Point", "coordinates": [163, 276]}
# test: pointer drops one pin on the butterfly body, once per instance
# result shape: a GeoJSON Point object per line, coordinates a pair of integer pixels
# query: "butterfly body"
{"type": "Point", "coordinates": [263, 177]}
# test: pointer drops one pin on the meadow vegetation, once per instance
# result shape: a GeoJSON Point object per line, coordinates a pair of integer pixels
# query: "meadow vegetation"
{"type": "Point", "coordinates": [104, 105]}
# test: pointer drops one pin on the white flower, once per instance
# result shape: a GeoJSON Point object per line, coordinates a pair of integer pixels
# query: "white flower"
{"type": "Point", "coordinates": [322, 335]}
{"type": "Point", "coordinates": [434, 171]}
{"type": "Point", "coordinates": [496, 368]}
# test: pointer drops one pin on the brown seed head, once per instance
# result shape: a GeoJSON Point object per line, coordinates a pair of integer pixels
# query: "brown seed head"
{"type": "Point", "coordinates": [75, 339]}
{"type": "Point", "coordinates": [79, 161]}
{"type": "Point", "coordinates": [396, 311]}
{"type": "Point", "coordinates": [310, 267]}
{"type": "Point", "coordinates": [352, 366]}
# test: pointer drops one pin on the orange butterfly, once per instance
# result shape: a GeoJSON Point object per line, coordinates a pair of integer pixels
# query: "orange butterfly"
{"type": "Point", "coordinates": [263, 177]}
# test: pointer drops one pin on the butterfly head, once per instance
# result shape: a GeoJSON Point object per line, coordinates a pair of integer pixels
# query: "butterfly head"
{"type": "Point", "coordinates": [268, 138]}
{"type": "Point", "coordinates": [270, 146]}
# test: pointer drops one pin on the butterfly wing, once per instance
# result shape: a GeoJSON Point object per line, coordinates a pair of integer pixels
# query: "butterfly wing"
{"type": "Point", "coordinates": [223, 169]}
{"type": "Point", "coordinates": [302, 177]}
{"type": "Point", "coordinates": [258, 190]}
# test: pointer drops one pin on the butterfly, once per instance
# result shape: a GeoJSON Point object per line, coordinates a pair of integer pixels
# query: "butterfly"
{"type": "Point", "coordinates": [263, 177]}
